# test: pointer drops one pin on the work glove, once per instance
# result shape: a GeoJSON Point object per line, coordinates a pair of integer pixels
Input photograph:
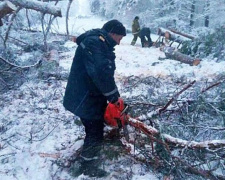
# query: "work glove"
{"type": "Point", "coordinates": [114, 115]}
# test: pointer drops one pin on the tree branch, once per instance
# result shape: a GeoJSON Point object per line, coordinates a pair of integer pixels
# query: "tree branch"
{"type": "Point", "coordinates": [43, 7]}
{"type": "Point", "coordinates": [22, 67]}
{"type": "Point", "coordinates": [148, 130]}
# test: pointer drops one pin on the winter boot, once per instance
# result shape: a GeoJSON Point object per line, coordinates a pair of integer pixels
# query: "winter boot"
{"type": "Point", "coordinates": [88, 167]}
{"type": "Point", "coordinates": [92, 168]}
{"type": "Point", "coordinates": [76, 168]}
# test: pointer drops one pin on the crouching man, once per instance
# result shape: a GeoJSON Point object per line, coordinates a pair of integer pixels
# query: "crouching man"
{"type": "Point", "coordinates": [146, 40]}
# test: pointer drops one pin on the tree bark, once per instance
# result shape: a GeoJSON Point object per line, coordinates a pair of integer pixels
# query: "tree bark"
{"type": "Point", "coordinates": [176, 55]}
{"type": "Point", "coordinates": [207, 14]}
{"type": "Point", "coordinates": [192, 13]}
{"type": "Point", "coordinates": [43, 7]}
{"type": "Point", "coordinates": [183, 34]}
{"type": "Point", "coordinates": [67, 18]}
{"type": "Point", "coordinates": [174, 36]}
{"type": "Point", "coordinates": [6, 7]}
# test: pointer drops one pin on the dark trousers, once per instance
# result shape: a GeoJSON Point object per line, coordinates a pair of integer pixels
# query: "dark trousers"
{"type": "Point", "coordinates": [134, 39]}
{"type": "Point", "coordinates": [146, 43]}
{"type": "Point", "coordinates": [94, 137]}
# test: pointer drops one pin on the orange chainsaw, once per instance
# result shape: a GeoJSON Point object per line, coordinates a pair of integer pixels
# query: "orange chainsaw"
{"type": "Point", "coordinates": [116, 114]}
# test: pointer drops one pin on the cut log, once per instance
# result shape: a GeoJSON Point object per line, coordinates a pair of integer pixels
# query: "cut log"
{"type": "Point", "coordinates": [43, 7]}
{"type": "Point", "coordinates": [183, 34]}
{"type": "Point", "coordinates": [171, 53]}
{"type": "Point", "coordinates": [54, 56]}
{"type": "Point", "coordinates": [171, 36]}
{"type": "Point", "coordinates": [6, 7]}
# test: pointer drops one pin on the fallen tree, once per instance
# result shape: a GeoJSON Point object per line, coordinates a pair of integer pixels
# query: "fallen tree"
{"type": "Point", "coordinates": [168, 136]}
{"type": "Point", "coordinates": [183, 34]}
{"type": "Point", "coordinates": [172, 36]}
{"type": "Point", "coordinates": [6, 7]}
{"type": "Point", "coordinates": [169, 37]}
{"type": "Point", "coordinates": [153, 132]}
{"type": "Point", "coordinates": [43, 7]}
{"type": "Point", "coordinates": [171, 53]}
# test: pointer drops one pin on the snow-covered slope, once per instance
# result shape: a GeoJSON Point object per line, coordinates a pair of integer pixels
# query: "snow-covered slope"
{"type": "Point", "coordinates": [36, 130]}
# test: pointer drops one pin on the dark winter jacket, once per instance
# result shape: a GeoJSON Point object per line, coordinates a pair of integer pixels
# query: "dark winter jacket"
{"type": "Point", "coordinates": [144, 34]}
{"type": "Point", "coordinates": [91, 81]}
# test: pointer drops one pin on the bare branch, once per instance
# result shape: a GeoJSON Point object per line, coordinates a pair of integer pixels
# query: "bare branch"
{"type": "Point", "coordinates": [22, 67]}
{"type": "Point", "coordinates": [175, 96]}
{"type": "Point", "coordinates": [10, 24]}
{"type": "Point", "coordinates": [151, 131]}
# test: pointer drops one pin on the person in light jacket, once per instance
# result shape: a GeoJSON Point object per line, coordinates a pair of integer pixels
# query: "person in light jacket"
{"type": "Point", "coordinates": [135, 30]}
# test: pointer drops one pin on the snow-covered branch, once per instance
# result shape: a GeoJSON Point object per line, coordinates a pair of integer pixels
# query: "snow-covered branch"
{"type": "Point", "coordinates": [14, 65]}
{"type": "Point", "coordinates": [43, 7]}
{"type": "Point", "coordinates": [151, 131]}
{"type": "Point", "coordinates": [6, 7]}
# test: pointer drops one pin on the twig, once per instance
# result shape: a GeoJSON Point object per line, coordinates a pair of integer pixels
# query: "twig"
{"type": "Point", "coordinates": [203, 127]}
{"type": "Point", "coordinates": [174, 97]}
{"type": "Point", "coordinates": [2, 80]}
{"type": "Point", "coordinates": [9, 154]}
{"type": "Point", "coordinates": [142, 103]}
{"type": "Point", "coordinates": [18, 40]}
{"type": "Point", "coordinates": [47, 134]}
{"type": "Point", "coordinates": [22, 67]}
{"type": "Point", "coordinates": [203, 173]}
{"type": "Point", "coordinates": [211, 86]}
{"type": "Point", "coordinates": [10, 24]}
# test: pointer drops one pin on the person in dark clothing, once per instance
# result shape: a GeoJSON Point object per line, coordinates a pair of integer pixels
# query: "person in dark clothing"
{"type": "Point", "coordinates": [146, 40]}
{"type": "Point", "coordinates": [90, 85]}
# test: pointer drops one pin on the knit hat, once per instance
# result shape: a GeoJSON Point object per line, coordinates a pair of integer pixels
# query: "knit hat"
{"type": "Point", "coordinates": [114, 26]}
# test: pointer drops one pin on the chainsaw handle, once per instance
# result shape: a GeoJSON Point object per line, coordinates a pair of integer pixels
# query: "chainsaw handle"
{"type": "Point", "coordinates": [119, 104]}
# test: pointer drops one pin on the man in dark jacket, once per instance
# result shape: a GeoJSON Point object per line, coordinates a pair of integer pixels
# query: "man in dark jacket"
{"type": "Point", "coordinates": [145, 33]}
{"type": "Point", "coordinates": [90, 85]}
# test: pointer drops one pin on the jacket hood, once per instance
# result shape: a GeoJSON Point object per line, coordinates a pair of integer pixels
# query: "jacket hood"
{"type": "Point", "coordinates": [97, 32]}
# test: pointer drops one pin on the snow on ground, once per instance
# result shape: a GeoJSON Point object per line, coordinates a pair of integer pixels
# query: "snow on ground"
{"type": "Point", "coordinates": [137, 61]}
{"type": "Point", "coordinates": [134, 60]}
{"type": "Point", "coordinates": [40, 130]}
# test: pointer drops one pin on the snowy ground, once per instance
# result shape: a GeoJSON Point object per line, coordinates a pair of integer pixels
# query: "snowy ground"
{"type": "Point", "coordinates": [36, 130]}
{"type": "Point", "coordinates": [39, 130]}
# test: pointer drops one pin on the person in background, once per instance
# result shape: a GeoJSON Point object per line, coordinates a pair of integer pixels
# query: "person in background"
{"type": "Point", "coordinates": [135, 30]}
{"type": "Point", "coordinates": [144, 34]}
{"type": "Point", "coordinates": [90, 85]}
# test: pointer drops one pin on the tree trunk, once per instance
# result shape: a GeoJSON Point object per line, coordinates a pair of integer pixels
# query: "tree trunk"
{"type": "Point", "coordinates": [207, 14]}
{"type": "Point", "coordinates": [43, 7]}
{"type": "Point", "coordinates": [67, 18]}
{"type": "Point", "coordinates": [174, 36]}
{"type": "Point", "coordinates": [192, 13]}
{"type": "Point", "coordinates": [10, 24]}
{"type": "Point", "coordinates": [6, 7]}
{"type": "Point", "coordinates": [172, 54]}
{"type": "Point", "coordinates": [183, 34]}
